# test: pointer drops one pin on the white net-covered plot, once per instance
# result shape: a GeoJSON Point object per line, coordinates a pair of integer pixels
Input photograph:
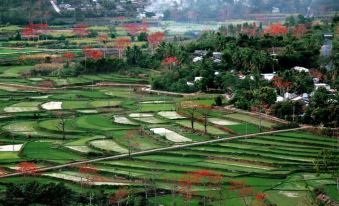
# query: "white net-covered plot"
{"type": "Point", "coordinates": [170, 135]}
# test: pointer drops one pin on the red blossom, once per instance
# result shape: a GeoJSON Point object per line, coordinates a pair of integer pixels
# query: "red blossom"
{"type": "Point", "coordinates": [87, 169]}
{"type": "Point", "coordinates": [92, 53]}
{"type": "Point", "coordinates": [300, 30]}
{"type": "Point", "coordinates": [316, 74]}
{"type": "Point", "coordinates": [69, 56]}
{"type": "Point", "coordinates": [121, 44]}
{"type": "Point", "coordinates": [121, 18]}
{"type": "Point", "coordinates": [96, 54]}
{"type": "Point", "coordinates": [276, 29]}
{"type": "Point", "coordinates": [103, 38]}
{"type": "Point", "coordinates": [118, 196]}
{"type": "Point", "coordinates": [144, 27]}
{"type": "Point", "coordinates": [132, 28]}
{"type": "Point", "coordinates": [27, 168]}
{"type": "Point", "coordinates": [81, 30]}
{"type": "Point", "coordinates": [169, 60]}
{"type": "Point", "coordinates": [27, 31]}
{"type": "Point", "coordinates": [281, 83]}
{"type": "Point", "coordinates": [156, 38]}
{"type": "Point", "coordinates": [260, 196]}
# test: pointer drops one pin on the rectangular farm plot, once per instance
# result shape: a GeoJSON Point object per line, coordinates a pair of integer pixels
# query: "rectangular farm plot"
{"type": "Point", "coordinates": [81, 149]}
{"type": "Point", "coordinates": [244, 128]}
{"type": "Point", "coordinates": [52, 106]}
{"type": "Point", "coordinates": [105, 103]}
{"type": "Point", "coordinates": [146, 117]}
{"type": "Point", "coordinates": [48, 151]}
{"type": "Point", "coordinates": [78, 178]}
{"type": "Point", "coordinates": [14, 71]}
{"type": "Point", "coordinates": [23, 107]}
{"type": "Point", "coordinates": [200, 127]}
{"type": "Point", "coordinates": [99, 122]}
{"type": "Point", "coordinates": [89, 104]}
{"type": "Point", "coordinates": [108, 145]}
{"type": "Point", "coordinates": [123, 120]}
{"type": "Point", "coordinates": [10, 148]}
{"type": "Point", "coordinates": [250, 119]}
{"type": "Point", "coordinates": [137, 141]}
{"type": "Point", "coordinates": [156, 107]}
{"type": "Point", "coordinates": [170, 135]}
{"type": "Point", "coordinates": [172, 115]}
{"type": "Point", "coordinates": [221, 122]}
{"type": "Point", "coordinates": [7, 157]}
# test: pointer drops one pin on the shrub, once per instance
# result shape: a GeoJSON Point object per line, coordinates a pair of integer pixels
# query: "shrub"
{"type": "Point", "coordinates": [218, 101]}
{"type": "Point", "coordinates": [45, 69]}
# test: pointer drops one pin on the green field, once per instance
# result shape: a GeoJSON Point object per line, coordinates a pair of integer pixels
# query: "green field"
{"type": "Point", "coordinates": [279, 165]}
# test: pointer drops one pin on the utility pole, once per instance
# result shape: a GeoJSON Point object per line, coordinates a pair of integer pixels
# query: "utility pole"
{"type": "Point", "coordinates": [293, 112]}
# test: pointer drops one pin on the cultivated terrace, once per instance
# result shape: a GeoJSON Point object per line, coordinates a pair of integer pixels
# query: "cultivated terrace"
{"type": "Point", "coordinates": [134, 113]}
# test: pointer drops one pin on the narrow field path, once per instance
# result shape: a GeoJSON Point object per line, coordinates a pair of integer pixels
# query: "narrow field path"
{"type": "Point", "coordinates": [40, 88]}
{"type": "Point", "coordinates": [146, 152]}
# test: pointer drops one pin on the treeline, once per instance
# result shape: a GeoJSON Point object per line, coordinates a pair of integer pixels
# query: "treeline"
{"type": "Point", "coordinates": [240, 54]}
{"type": "Point", "coordinates": [57, 194]}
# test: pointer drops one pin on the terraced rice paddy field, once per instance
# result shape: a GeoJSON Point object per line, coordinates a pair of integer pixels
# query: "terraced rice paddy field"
{"type": "Point", "coordinates": [62, 126]}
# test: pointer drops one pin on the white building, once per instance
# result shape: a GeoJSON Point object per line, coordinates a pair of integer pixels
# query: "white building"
{"type": "Point", "coordinates": [269, 76]}
{"type": "Point", "coordinates": [301, 69]}
{"type": "Point", "coordinates": [319, 85]}
{"type": "Point", "coordinates": [196, 79]}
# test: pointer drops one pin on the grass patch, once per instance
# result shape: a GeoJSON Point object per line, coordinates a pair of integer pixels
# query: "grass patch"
{"type": "Point", "coordinates": [47, 151]}
{"type": "Point", "coordinates": [250, 119]}
{"type": "Point", "coordinates": [200, 127]}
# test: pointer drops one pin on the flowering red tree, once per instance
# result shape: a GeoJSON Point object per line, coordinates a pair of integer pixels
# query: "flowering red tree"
{"type": "Point", "coordinates": [276, 29]}
{"type": "Point", "coordinates": [88, 172]}
{"type": "Point", "coordinates": [202, 177]}
{"type": "Point", "coordinates": [80, 30]}
{"type": "Point", "coordinates": [281, 84]}
{"type": "Point", "coordinates": [130, 143]}
{"type": "Point", "coordinates": [32, 31]}
{"type": "Point", "coordinates": [251, 30]}
{"type": "Point", "coordinates": [206, 178]}
{"type": "Point", "coordinates": [118, 197]}
{"type": "Point", "coordinates": [2, 171]}
{"type": "Point", "coordinates": [132, 28]}
{"type": "Point", "coordinates": [96, 54]}
{"type": "Point", "coordinates": [121, 44]}
{"type": "Point", "coordinates": [121, 18]}
{"type": "Point", "coordinates": [41, 28]}
{"type": "Point", "coordinates": [170, 61]}
{"type": "Point", "coordinates": [92, 53]}
{"type": "Point", "coordinates": [69, 56]}
{"type": "Point", "coordinates": [316, 74]}
{"type": "Point", "coordinates": [185, 187]}
{"type": "Point", "coordinates": [242, 190]}
{"type": "Point", "coordinates": [300, 30]}
{"type": "Point", "coordinates": [27, 168]}
{"type": "Point", "coordinates": [27, 32]}
{"type": "Point", "coordinates": [144, 27]}
{"type": "Point", "coordinates": [103, 38]}
{"type": "Point", "coordinates": [86, 50]}
{"type": "Point", "coordinates": [155, 39]}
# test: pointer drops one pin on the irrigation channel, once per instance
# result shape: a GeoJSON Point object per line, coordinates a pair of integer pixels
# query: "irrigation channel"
{"type": "Point", "coordinates": [146, 152]}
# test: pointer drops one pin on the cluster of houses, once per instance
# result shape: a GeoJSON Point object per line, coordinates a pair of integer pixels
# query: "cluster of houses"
{"type": "Point", "coordinates": [198, 55]}
{"type": "Point", "coordinates": [88, 5]}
